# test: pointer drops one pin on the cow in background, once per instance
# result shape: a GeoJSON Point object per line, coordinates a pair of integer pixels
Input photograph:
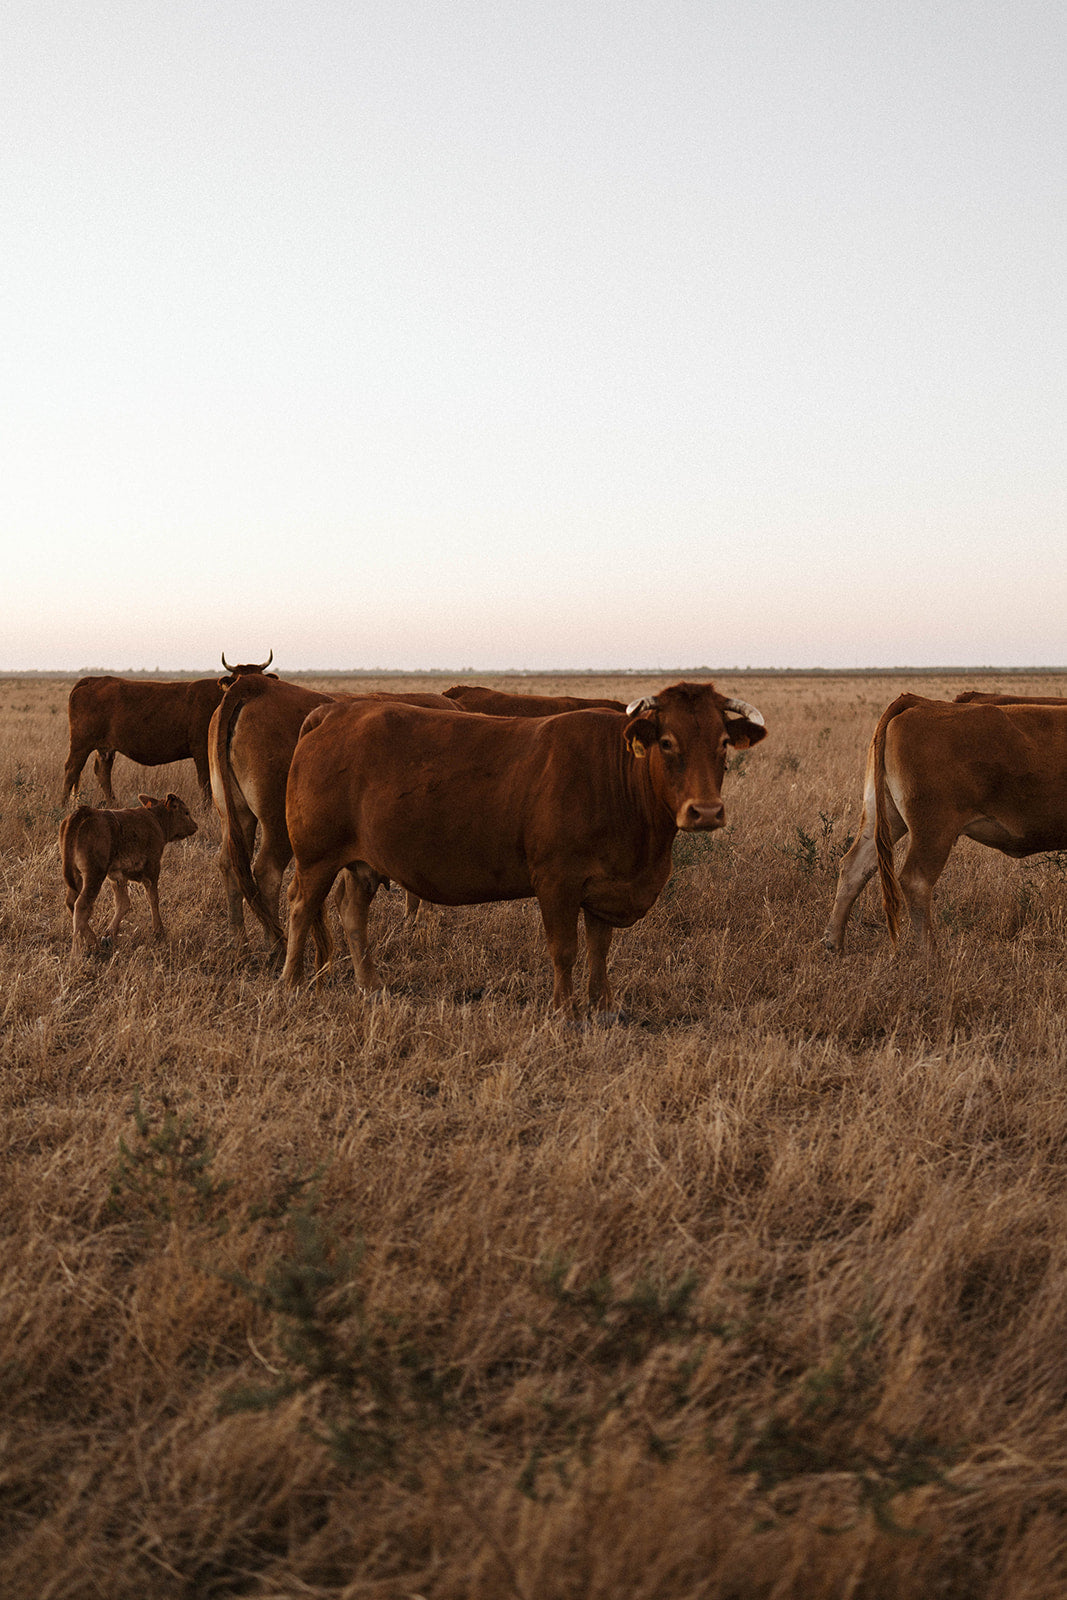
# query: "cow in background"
{"type": "Point", "coordinates": [252, 738]}
{"type": "Point", "coordinates": [121, 846]}
{"type": "Point", "coordinates": [497, 703]}
{"type": "Point", "coordinates": [579, 810]}
{"type": "Point", "coordinates": [150, 723]}
{"type": "Point", "coordinates": [993, 770]}
{"type": "Point", "coordinates": [978, 697]}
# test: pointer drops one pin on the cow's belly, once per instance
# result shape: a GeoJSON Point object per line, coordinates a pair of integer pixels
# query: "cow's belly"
{"type": "Point", "coordinates": [455, 879]}
{"type": "Point", "coordinates": [1019, 837]}
{"type": "Point", "coordinates": [146, 753]}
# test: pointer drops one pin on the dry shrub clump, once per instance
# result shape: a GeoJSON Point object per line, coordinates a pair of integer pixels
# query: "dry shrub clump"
{"type": "Point", "coordinates": [758, 1294]}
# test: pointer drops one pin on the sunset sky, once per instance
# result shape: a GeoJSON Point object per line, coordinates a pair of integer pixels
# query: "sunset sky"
{"type": "Point", "coordinates": [544, 335]}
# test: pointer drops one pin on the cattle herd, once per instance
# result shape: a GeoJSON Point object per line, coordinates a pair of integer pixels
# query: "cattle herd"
{"type": "Point", "coordinates": [476, 795]}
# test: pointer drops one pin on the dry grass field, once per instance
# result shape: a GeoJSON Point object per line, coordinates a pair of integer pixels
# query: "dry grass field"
{"type": "Point", "coordinates": [762, 1292]}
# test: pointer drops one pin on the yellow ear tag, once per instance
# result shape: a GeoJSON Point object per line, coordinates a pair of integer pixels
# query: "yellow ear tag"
{"type": "Point", "coordinates": [638, 750]}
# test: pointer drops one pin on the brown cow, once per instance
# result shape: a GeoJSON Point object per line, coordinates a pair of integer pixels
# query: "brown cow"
{"type": "Point", "coordinates": [252, 737]}
{"type": "Point", "coordinates": [120, 845]}
{"type": "Point", "coordinates": [151, 723]}
{"type": "Point", "coordinates": [977, 697]}
{"type": "Point", "coordinates": [579, 810]}
{"type": "Point", "coordinates": [495, 703]}
{"type": "Point", "coordinates": [937, 769]}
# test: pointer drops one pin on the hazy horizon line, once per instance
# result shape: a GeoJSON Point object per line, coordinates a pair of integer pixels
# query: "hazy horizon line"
{"type": "Point", "coordinates": [460, 674]}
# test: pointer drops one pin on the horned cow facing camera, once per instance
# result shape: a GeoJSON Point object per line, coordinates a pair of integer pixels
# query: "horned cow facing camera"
{"type": "Point", "coordinates": [120, 845]}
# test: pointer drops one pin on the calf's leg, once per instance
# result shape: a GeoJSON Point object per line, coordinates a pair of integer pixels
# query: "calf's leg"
{"type": "Point", "coordinates": [122, 905]}
{"type": "Point", "coordinates": [82, 933]}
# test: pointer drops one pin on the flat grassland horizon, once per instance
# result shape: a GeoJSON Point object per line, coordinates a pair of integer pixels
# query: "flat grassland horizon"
{"type": "Point", "coordinates": [760, 1293]}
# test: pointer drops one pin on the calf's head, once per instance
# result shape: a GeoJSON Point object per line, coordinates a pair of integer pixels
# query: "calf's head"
{"type": "Point", "coordinates": [172, 814]}
{"type": "Point", "coordinates": [685, 733]}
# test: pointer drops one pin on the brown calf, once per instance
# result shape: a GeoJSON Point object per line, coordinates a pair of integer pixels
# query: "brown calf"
{"type": "Point", "coordinates": [119, 845]}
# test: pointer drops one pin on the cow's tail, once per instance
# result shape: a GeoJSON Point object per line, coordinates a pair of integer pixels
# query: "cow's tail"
{"type": "Point", "coordinates": [892, 899]}
{"type": "Point", "coordinates": [230, 708]}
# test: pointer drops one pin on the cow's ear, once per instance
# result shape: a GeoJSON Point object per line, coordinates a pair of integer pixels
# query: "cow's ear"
{"type": "Point", "coordinates": [742, 733]}
{"type": "Point", "coordinates": [640, 735]}
{"type": "Point", "coordinates": [173, 800]}
{"type": "Point", "coordinates": [148, 800]}
{"type": "Point", "coordinates": [273, 675]}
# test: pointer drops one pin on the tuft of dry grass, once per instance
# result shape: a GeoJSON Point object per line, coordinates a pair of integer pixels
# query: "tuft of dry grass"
{"type": "Point", "coordinates": [757, 1295]}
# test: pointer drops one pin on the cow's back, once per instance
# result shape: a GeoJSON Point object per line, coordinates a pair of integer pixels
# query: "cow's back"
{"type": "Point", "coordinates": [261, 733]}
{"type": "Point", "coordinates": [500, 703]}
{"type": "Point", "coordinates": [148, 722]}
{"type": "Point", "coordinates": [455, 808]}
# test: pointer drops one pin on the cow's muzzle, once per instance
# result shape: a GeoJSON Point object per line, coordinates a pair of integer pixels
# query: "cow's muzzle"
{"type": "Point", "coordinates": [694, 816]}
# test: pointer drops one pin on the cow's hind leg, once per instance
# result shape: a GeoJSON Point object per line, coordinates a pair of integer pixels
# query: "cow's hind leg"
{"type": "Point", "coordinates": [79, 755]}
{"type": "Point", "coordinates": [308, 890]}
{"type": "Point", "coordinates": [272, 858]}
{"type": "Point", "coordinates": [597, 941]}
{"type": "Point", "coordinates": [924, 863]}
{"type": "Point", "coordinates": [357, 889]}
{"type": "Point", "coordinates": [235, 900]}
{"type": "Point", "coordinates": [858, 866]}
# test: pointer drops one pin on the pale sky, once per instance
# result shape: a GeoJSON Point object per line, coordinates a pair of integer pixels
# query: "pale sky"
{"type": "Point", "coordinates": [448, 333]}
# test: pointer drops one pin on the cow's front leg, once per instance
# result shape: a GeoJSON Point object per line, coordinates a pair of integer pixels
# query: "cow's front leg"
{"type": "Point", "coordinates": [597, 942]}
{"type": "Point", "coordinates": [104, 762]}
{"type": "Point", "coordinates": [560, 917]}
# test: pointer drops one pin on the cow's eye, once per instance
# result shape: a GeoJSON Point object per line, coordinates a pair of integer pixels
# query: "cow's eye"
{"type": "Point", "coordinates": [668, 746]}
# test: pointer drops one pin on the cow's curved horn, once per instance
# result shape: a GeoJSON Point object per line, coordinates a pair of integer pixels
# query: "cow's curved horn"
{"type": "Point", "coordinates": [647, 702]}
{"type": "Point", "coordinates": [267, 663]}
{"type": "Point", "coordinates": [741, 708]}
{"type": "Point", "coordinates": [225, 663]}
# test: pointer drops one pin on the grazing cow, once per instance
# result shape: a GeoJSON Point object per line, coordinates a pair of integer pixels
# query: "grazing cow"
{"type": "Point", "coordinates": [495, 703]}
{"type": "Point", "coordinates": [120, 845]}
{"type": "Point", "coordinates": [937, 769]}
{"type": "Point", "coordinates": [579, 810]}
{"type": "Point", "coordinates": [977, 697]}
{"type": "Point", "coordinates": [151, 723]}
{"type": "Point", "coordinates": [252, 737]}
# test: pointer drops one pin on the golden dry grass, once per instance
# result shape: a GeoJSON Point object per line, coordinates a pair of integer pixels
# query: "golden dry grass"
{"type": "Point", "coordinates": [761, 1294]}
